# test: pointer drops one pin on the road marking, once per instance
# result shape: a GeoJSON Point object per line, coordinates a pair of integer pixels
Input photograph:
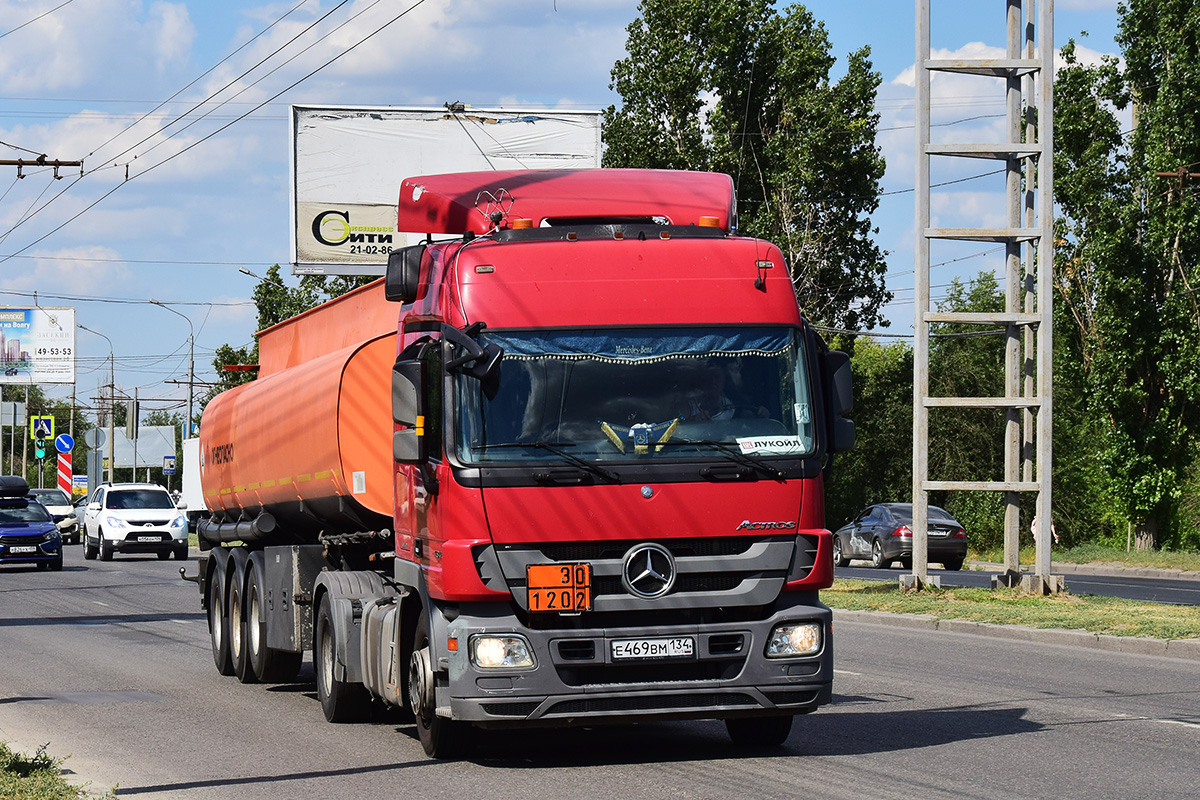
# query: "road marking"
{"type": "Point", "coordinates": [1179, 722]}
{"type": "Point", "coordinates": [182, 621]}
{"type": "Point", "coordinates": [846, 672]}
{"type": "Point", "coordinates": [97, 602]}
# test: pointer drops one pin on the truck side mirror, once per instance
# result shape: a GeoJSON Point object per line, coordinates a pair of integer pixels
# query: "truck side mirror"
{"type": "Point", "coordinates": [408, 392]}
{"type": "Point", "coordinates": [403, 277]}
{"type": "Point", "coordinates": [840, 398]}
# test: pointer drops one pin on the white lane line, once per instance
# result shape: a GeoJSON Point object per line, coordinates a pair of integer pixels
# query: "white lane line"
{"type": "Point", "coordinates": [1179, 722]}
{"type": "Point", "coordinates": [845, 672]}
{"type": "Point", "coordinates": [97, 602]}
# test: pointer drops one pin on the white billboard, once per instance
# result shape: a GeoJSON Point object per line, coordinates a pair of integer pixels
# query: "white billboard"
{"type": "Point", "coordinates": [37, 345]}
{"type": "Point", "coordinates": [347, 165]}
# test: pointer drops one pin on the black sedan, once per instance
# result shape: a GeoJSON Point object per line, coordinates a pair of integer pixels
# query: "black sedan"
{"type": "Point", "coordinates": [883, 534]}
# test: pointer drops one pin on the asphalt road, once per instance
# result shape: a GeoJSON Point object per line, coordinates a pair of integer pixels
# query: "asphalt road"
{"type": "Point", "coordinates": [1131, 587]}
{"type": "Point", "coordinates": [110, 663]}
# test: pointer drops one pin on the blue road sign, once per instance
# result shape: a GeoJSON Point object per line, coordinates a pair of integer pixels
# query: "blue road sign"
{"type": "Point", "coordinates": [63, 443]}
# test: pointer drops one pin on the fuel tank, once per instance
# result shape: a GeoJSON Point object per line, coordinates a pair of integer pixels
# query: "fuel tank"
{"type": "Point", "coordinates": [311, 444]}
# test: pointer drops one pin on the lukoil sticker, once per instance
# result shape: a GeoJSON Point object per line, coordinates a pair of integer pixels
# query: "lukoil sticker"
{"type": "Point", "coordinates": [771, 445]}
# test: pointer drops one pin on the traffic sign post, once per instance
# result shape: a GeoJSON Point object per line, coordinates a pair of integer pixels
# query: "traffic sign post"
{"type": "Point", "coordinates": [63, 443]}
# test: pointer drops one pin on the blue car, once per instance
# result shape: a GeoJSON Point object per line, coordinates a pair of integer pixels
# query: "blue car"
{"type": "Point", "coordinates": [28, 534]}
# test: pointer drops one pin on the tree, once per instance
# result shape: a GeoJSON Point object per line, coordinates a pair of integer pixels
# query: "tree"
{"type": "Point", "coordinates": [276, 302]}
{"type": "Point", "coordinates": [1126, 271]}
{"type": "Point", "coordinates": [879, 468]}
{"type": "Point", "coordinates": [734, 86]}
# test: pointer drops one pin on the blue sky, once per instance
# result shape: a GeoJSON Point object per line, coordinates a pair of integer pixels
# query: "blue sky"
{"type": "Point", "coordinates": [87, 80]}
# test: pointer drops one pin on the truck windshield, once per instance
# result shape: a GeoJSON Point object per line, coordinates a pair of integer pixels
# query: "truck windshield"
{"type": "Point", "coordinates": [626, 394]}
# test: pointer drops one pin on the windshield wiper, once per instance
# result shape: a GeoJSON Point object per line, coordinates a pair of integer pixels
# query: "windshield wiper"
{"type": "Point", "coordinates": [733, 454]}
{"type": "Point", "coordinates": [555, 448]}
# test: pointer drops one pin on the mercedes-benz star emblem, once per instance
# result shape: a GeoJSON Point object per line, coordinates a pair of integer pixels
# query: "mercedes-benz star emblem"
{"type": "Point", "coordinates": [648, 571]}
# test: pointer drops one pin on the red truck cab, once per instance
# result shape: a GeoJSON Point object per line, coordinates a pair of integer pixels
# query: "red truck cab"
{"type": "Point", "coordinates": [612, 424]}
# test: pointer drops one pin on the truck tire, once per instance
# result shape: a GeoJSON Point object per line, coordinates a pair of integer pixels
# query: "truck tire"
{"type": "Point", "coordinates": [239, 650]}
{"type": "Point", "coordinates": [759, 731]}
{"type": "Point", "coordinates": [218, 622]}
{"type": "Point", "coordinates": [270, 665]}
{"type": "Point", "coordinates": [341, 701]}
{"type": "Point", "coordinates": [441, 738]}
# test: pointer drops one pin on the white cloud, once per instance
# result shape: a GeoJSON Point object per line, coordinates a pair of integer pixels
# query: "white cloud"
{"type": "Point", "coordinates": [73, 270]}
{"type": "Point", "coordinates": [94, 46]}
{"type": "Point", "coordinates": [174, 33]}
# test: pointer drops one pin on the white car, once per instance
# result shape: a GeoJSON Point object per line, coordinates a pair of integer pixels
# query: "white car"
{"type": "Point", "coordinates": [59, 506]}
{"type": "Point", "coordinates": [133, 518]}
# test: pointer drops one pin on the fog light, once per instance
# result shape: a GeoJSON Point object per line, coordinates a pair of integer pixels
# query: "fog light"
{"type": "Point", "coordinates": [802, 639]}
{"type": "Point", "coordinates": [500, 652]}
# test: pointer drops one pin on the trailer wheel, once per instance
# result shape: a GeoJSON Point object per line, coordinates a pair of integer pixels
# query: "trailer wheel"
{"type": "Point", "coordinates": [759, 731]}
{"type": "Point", "coordinates": [239, 651]}
{"type": "Point", "coordinates": [440, 737]}
{"type": "Point", "coordinates": [340, 700]}
{"type": "Point", "coordinates": [218, 624]}
{"type": "Point", "coordinates": [270, 665]}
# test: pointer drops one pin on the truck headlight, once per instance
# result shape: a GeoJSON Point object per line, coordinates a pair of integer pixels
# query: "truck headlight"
{"type": "Point", "coordinates": [500, 652]}
{"type": "Point", "coordinates": [794, 639]}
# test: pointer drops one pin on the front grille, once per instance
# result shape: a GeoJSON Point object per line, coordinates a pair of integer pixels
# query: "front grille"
{"type": "Point", "coordinates": [595, 551]}
{"type": "Point", "coordinates": [792, 698]}
{"type": "Point", "coordinates": [632, 674]}
{"type": "Point", "coordinates": [685, 583]}
{"type": "Point", "coordinates": [510, 709]}
{"type": "Point", "coordinates": [715, 573]}
{"type": "Point", "coordinates": [580, 650]}
{"type": "Point", "coordinates": [156, 523]}
{"type": "Point", "coordinates": [661, 702]}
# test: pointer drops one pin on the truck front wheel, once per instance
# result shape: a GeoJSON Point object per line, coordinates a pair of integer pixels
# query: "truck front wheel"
{"type": "Point", "coordinates": [340, 700]}
{"type": "Point", "coordinates": [759, 731]}
{"type": "Point", "coordinates": [440, 737]}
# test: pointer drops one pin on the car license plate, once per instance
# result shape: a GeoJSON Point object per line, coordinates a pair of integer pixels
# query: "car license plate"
{"type": "Point", "coordinates": [23, 548]}
{"type": "Point", "coordinates": [675, 647]}
{"type": "Point", "coordinates": [149, 538]}
{"type": "Point", "coordinates": [559, 588]}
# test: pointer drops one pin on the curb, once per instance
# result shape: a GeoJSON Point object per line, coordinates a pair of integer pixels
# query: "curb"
{"type": "Point", "coordinates": [1139, 645]}
{"type": "Point", "coordinates": [1112, 570]}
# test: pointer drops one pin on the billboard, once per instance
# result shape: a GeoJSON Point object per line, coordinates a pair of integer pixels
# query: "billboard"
{"type": "Point", "coordinates": [347, 165]}
{"type": "Point", "coordinates": [37, 345]}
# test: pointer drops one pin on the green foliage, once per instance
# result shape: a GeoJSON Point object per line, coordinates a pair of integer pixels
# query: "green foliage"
{"type": "Point", "coordinates": [41, 405]}
{"type": "Point", "coordinates": [276, 302]}
{"type": "Point", "coordinates": [734, 86]}
{"type": "Point", "coordinates": [1126, 270]}
{"type": "Point", "coordinates": [879, 468]}
{"type": "Point", "coordinates": [36, 777]}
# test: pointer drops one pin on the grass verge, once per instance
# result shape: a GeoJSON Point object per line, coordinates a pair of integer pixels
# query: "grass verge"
{"type": "Point", "coordinates": [1093, 554]}
{"type": "Point", "coordinates": [1013, 607]}
{"type": "Point", "coordinates": [36, 777]}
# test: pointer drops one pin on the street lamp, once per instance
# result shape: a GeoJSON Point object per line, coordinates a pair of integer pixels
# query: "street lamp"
{"type": "Point", "coordinates": [112, 402]}
{"type": "Point", "coordinates": [187, 429]}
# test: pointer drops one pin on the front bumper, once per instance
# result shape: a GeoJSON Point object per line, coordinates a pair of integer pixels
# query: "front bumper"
{"type": "Point", "coordinates": [577, 681]}
{"type": "Point", "coordinates": [149, 540]}
{"type": "Point", "coordinates": [16, 551]}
